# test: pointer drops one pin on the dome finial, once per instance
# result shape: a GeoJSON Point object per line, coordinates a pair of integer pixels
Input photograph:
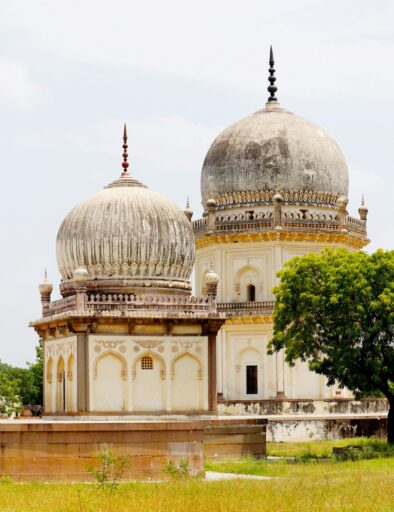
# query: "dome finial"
{"type": "Point", "coordinates": [125, 163]}
{"type": "Point", "coordinates": [272, 78]}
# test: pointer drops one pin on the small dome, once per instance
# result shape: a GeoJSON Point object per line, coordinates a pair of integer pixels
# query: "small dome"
{"type": "Point", "coordinates": [274, 150]}
{"type": "Point", "coordinates": [126, 236]}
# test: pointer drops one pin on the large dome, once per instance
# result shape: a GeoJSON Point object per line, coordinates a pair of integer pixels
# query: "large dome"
{"type": "Point", "coordinates": [127, 236]}
{"type": "Point", "coordinates": [278, 151]}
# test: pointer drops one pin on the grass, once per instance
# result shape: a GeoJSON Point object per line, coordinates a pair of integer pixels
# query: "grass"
{"type": "Point", "coordinates": [361, 486]}
{"type": "Point", "coordinates": [363, 489]}
{"type": "Point", "coordinates": [318, 449]}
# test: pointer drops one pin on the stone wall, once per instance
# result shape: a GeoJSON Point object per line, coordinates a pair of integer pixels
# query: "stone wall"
{"type": "Point", "coordinates": [317, 407]}
{"type": "Point", "coordinates": [63, 450]}
{"type": "Point", "coordinates": [315, 429]}
{"type": "Point", "coordinates": [224, 439]}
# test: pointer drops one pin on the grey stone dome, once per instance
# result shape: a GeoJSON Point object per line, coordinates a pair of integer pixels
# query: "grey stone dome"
{"type": "Point", "coordinates": [274, 150]}
{"type": "Point", "coordinates": [127, 236]}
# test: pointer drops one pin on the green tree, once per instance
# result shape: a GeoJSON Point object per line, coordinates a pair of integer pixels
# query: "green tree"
{"type": "Point", "coordinates": [9, 399]}
{"type": "Point", "coordinates": [27, 381]}
{"type": "Point", "coordinates": [336, 312]}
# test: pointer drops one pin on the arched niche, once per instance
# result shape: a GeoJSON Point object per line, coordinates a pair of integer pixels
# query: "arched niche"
{"type": "Point", "coordinates": [49, 394]}
{"type": "Point", "coordinates": [248, 283]}
{"type": "Point", "coordinates": [187, 382]}
{"type": "Point", "coordinates": [109, 386]}
{"type": "Point", "coordinates": [60, 386]}
{"type": "Point", "coordinates": [149, 382]}
{"type": "Point", "coordinates": [70, 384]}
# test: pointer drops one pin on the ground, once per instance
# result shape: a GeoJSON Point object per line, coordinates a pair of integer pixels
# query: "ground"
{"type": "Point", "coordinates": [366, 485]}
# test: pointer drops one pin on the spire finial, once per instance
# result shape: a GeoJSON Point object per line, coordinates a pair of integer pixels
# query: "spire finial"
{"type": "Point", "coordinates": [125, 163]}
{"type": "Point", "coordinates": [45, 274]}
{"type": "Point", "coordinates": [272, 78]}
{"type": "Point", "coordinates": [362, 200]}
{"type": "Point", "coordinates": [187, 202]}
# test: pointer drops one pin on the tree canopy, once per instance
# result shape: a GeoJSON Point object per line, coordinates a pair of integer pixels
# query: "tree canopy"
{"type": "Point", "coordinates": [23, 384]}
{"type": "Point", "coordinates": [335, 310]}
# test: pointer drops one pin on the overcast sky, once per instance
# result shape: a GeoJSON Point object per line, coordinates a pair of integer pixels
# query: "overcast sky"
{"type": "Point", "coordinates": [178, 72]}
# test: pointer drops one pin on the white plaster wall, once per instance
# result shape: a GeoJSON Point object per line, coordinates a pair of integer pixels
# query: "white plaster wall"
{"type": "Point", "coordinates": [54, 349]}
{"type": "Point", "coordinates": [178, 381]}
{"type": "Point", "coordinates": [240, 264]}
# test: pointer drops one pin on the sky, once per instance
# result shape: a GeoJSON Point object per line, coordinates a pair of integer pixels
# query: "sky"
{"type": "Point", "coordinates": [178, 72]}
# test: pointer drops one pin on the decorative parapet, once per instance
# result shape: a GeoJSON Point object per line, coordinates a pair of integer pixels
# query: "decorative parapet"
{"type": "Point", "coordinates": [98, 303]}
{"type": "Point", "coordinates": [248, 308]}
{"type": "Point", "coordinates": [302, 221]}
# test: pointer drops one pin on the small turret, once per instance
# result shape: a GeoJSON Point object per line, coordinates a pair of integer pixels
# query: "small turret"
{"type": "Point", "coordinates": [188, 211]}
{"type": "Point", "coordinates": [363, 210]}
{"type": "Point", "coordinates": [45, 288]}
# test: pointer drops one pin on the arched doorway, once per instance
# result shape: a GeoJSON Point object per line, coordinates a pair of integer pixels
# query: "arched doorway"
{"type": "Point", "coordinates": [60, 386]}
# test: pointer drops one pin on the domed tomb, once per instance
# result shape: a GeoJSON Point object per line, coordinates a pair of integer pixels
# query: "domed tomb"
{"type": "Point", "coordinates": [129, 239]}
{"type": "Point", "coordinates": [274, 150]}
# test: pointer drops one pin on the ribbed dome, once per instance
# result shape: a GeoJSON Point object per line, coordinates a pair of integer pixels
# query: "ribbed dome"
{"type": "Point", "coordinates": [129, 236]}
{"type": "Point", "coordinates": [274, 150]}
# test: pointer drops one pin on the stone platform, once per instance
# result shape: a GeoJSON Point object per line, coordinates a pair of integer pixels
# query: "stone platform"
{"type": "Point", "coordinates": [63, 450]}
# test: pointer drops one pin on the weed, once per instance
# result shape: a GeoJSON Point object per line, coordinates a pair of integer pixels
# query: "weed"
{"type": "Point", "coordinates": [179, 471]}
{"type": "Point", "coordinates": [110, 470]}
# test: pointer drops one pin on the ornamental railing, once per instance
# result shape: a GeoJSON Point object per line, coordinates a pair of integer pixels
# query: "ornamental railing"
{"type": "Point", "coordinates": [254, 225]}
{"type": "Point", "coordinates": [60, 306]}
{"type": "Point", "coordinates": [129, 302]}
{"type": "Point", "coordinates": [246, 308]}
{"type": "Point", "coordinates": [96, 303]}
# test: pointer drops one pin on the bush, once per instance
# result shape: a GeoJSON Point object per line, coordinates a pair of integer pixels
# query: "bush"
{"type": "Point", "coordinates": [181, 471]}
{"type": "Point", "coordinates": [110, 471]}
{"type": "Point", "coordinates": [372, 449]}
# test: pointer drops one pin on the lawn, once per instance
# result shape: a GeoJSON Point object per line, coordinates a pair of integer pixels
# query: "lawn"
{"type": "Point", "coordinates": [366, 485]}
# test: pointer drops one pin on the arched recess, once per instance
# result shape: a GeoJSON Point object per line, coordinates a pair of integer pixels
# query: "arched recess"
{"type": "Point", "coordinates": [49, 385]}
{"type": "Point", "coordinates": [109, 382]}
{"type": "Point", "coordinates": [244, 278]}
{"type": "Point", "coordinates": [187, 382]}
{"type": "Point", "coordinates": [149, 382]}
{"type": "Point", "coordinates": [60, 386]}
{"type": "Point", "coordinates": [249, 373]}
{"type": "Point", "coordinates": [70, 385]}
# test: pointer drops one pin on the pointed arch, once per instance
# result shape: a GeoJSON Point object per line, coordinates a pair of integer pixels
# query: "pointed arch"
{"type": "Point", "coordinates": [243, 283]}
{"type": "Point", "coordinates": [49, 372]}
{"type": "Point", "coordinates": [123, 371]}
{"type": "Point", "coordinates": [60, 385]}
{"type": "Point", "coordinates": [190, 355]}
{"type": "Point", "coordinates": [70, 367]}
{"type": "Point", "coordinates": [154, 356]}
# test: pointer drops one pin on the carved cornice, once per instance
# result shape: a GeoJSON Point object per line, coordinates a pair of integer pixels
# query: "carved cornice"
{"type": "Point", "coordinates": [264, 197]}
{"type": "Point", "coordinates": [346, 239]}
{"type": "Point", "coordinates": [242, 320]}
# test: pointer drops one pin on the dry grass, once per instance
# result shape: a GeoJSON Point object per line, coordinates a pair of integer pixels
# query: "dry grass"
{"type": "Point", "coordinates": [352, 486]}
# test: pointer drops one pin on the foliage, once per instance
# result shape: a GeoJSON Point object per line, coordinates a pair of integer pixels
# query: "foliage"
{"type": "Point", "coordinates": [179, 471]}
{"type": "Point", "coordinates": [372, 450]}
{"type": "Point", "coordinates": [110, 470]}
{"type": "Point", "coordinates": [28, 382]}
{"type": "Point", "coordinates": [9, 399]}
{"type": "Point", "coordinates": [336, 311]}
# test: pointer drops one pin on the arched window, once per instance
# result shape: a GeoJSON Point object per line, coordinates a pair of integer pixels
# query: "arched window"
{"type": "Point", "coordinates": [146, 363]}
{"type": "Point", "coordinates": [251, 293]}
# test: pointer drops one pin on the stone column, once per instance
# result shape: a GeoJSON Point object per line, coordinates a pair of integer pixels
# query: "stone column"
{"type": "Point", "coordinates": [82, 372]}
{"type": "Point", "coordinates": [277, 201]}
{"type": "Point", "coordinates": [212, 387]}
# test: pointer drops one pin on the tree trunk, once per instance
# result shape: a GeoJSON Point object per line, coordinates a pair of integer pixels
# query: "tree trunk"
{"type": "Point", "coordinates": [390, 422]}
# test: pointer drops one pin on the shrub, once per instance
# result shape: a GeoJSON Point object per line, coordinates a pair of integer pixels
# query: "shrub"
{"type": "Point", "coordinates": [110, 470]}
